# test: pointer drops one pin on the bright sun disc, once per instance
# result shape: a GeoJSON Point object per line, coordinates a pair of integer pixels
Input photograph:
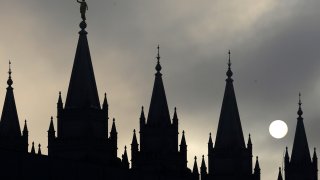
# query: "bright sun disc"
{"type": "Point", "coordinates": [278, 129]}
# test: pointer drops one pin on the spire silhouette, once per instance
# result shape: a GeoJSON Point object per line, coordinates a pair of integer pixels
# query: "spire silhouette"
{"type": "Point", "coordinates": [300, 150]}
{"type": "Point", "coordinates": [203, 165]}
{"type": "Point", "coordinates": [134, 139]}
{"type": "Point", "coordinates": [280, 174]}
{"type": "Point", "coordinates": [105, 104]}
{"type": "Point", "coordinates": [158, 111]}
{"type": "Point", "coordinates": [51, 126]}
{"type": "Point", "coordinates": [257, 166]}
{"type": "Point", "coordinates": [33, 151]}
{"type": "Point", "coordinates": [195, 166]}
{"type": "Point", "coordinates": [125, 160]}
{"type": "Point", "coordinates": [183, 140]}
{"type": "Point", "coordinates": [9, 124]}
{"type": "Point", "coordinates": [82, 90]}
{"type": "Point", "coordinates": [229, 132]}
{"type": "Point", "coordinates": [39, 149]}
{"type": "Point", "coordinates": [25, 128]}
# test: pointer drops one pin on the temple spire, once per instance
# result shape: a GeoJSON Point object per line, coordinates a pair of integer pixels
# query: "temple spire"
{"type": "Point", "coordinates": [9, 124]}
{"type": "Point", "coordinates": [229, 132]}
{"type": "Point", "coordinates": [82, 91]}
{"type": "Point", "coordinates": [158, 111]}
{"type": "Point", "coordinates": [300, 150]}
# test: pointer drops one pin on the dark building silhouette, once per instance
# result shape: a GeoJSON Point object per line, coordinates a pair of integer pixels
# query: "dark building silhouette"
{"type": "Point", "coordinates": [229, 158]}
{"type": "Point", "coordinates": [159, 156]}
{"type": "Point", "coordinates": [300, 165]}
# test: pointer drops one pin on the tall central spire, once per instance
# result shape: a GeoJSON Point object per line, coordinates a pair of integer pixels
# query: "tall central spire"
{"type": "Point", "coordinates": [229, 132]}
{"type": "Point", "coordinates": [300, 150]}
{"type": "Point", "coordinates": [82, 90]}
{"type": "Point", "coordinates": [158, 111]}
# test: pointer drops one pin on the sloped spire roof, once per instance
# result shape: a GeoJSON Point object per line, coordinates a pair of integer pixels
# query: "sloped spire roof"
{"type": "Point", "coordinates": [25, 128]}
{"type": "Point", "coordinates": [203, 164]}
{"type": "Point", "coordinates": [300, 150]}
{"type": "Point", "coordinates": [113, 128]}
{"type": "Point", "coordinates": [195, 166]}
{"type": "Point", "coordinates": [82, 90]}
{"type": "Point", "coordinates": [183, 140]}
{"type": "Point", "coordinates": [134, 138]}
{"type": "Point", "coordinates": [257, 166]}
{"type": "Point", "coordinates": [249, 140]}
{"type": "Point", "coordinates": [33, 151]}
{"type": "Point", "coordinates": [51, 126]}
{"type": "Point", "coordinates": [9, 124]}
{"type": "Point", "coordinates": [158, 111]}
{"type": "Point", "coordinates": [229, 132]}
{"type": "Point", "coordinates": [280, 174]}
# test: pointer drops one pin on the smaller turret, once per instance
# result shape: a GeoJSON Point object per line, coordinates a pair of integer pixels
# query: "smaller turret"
{"type": "Point", "coordinates": [203, 169]}
{"type": "Point", "coordinates": [280, 174]}
{"type": "Point", "coordinates": [105, 105]}
{"type": "Point", "coordinates": [286, 158]}
{"type": "Point", "coordinates": [195, 171]}
{"type": "Point", "coordinates": [183, 150]}
{"type": "Point", "coordinates": [175, 119]}
{"type": "Point", "coordinates": [33, 151]}
{"type": "Point", "coordinates": [51, 136]}
{"type": "Point", "coordinates": [39, 150]}
{"type": "Point", "coordinates": [210, 151]}
{"type": "Point", "coordinates": [125, 161]}
{"type": "Point", "coordinates": [249, 147]}
{"type": "Point", "coordinates": [315, 163]}
{"type": "Point", "coordinates": [59, 112]}
{"type": "Point", "coordinates": [114, 138]}
{"type": "Point", "coordinates": [25, 135]}
{"type": "Point", "coordinates": [142, 120]}
{"type": "Point", "coordinates": [134, 149]}
{"type": "Point", "coordinates": [257, 170]}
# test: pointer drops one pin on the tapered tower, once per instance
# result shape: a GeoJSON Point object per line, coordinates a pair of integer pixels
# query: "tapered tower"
{"type": "Point", "coordinates": [229, 158]}
{"type": "Point", "coordinates": [11, 137]}
{"type": "Point", "coordinates": [82, 124]}
{"type": "Point", "coordinates": [300, 166]}
{"type": "Point", "coordinates": [159, 155]}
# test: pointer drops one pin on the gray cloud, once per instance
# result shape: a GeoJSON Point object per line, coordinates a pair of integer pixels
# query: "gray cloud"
{"type": "Point", "coordinates": [274, 47]}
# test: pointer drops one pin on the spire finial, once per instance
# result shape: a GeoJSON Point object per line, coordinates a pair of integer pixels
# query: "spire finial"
{"type": "Point", "coordinates": [9, 82]}
{"type": "Point", "coordinates": [300, 112]}
{"type": "Point", "coordinates": [229, 72]}
{"type": "Point", "coordinates": [158, 66]}
{"type": "Point", "coordinates": [229, 62]}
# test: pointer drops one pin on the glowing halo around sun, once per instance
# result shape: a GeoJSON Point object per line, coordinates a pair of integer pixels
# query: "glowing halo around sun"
{"type": "Point", "coordinates": [278, 129]}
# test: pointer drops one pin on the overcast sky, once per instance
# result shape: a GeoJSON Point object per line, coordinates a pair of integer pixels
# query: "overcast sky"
{"type": "Point", "coordinates": [274, 48]}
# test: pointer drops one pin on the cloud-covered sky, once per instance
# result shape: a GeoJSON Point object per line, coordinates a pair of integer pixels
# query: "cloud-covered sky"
{"type": "Point", "coordinates": [275, 54]}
